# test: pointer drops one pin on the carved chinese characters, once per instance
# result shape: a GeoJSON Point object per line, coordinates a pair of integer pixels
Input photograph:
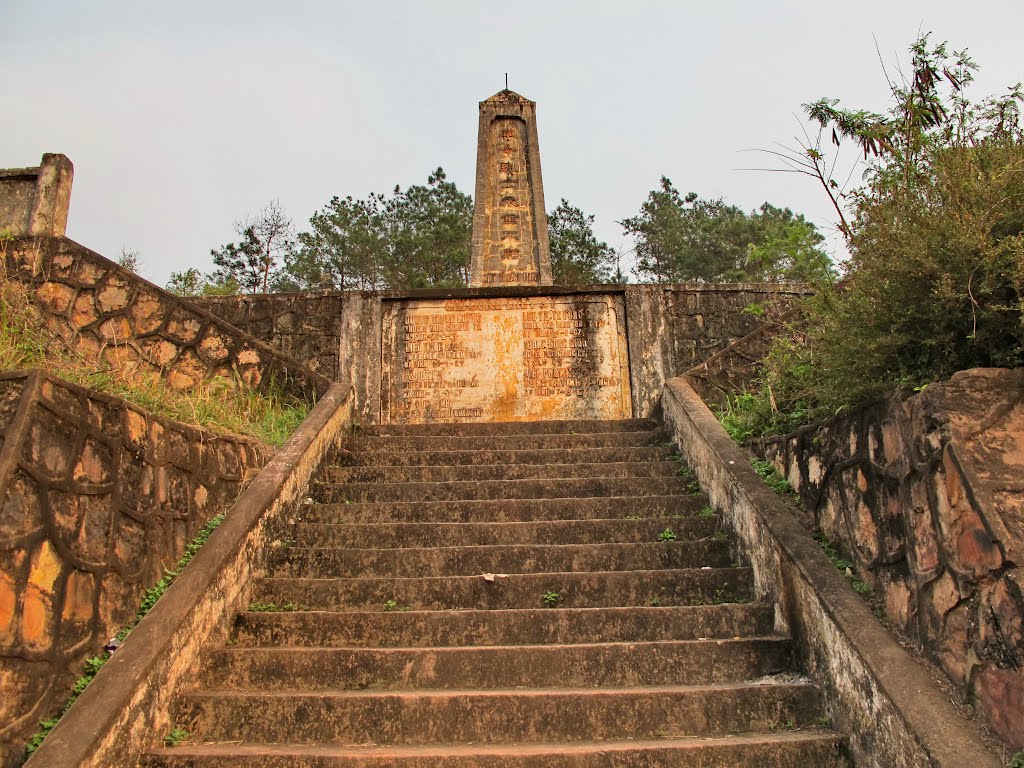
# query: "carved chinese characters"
{"type": "Point", "coordinates": [510, 245]}
{"type": "Point", "coordinates": [505, 359]}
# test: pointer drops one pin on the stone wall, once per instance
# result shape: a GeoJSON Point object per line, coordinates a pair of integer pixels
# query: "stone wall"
{"type": "Point", "coordinates": [894, 713]}
{"type": "Point", "coordinates": [670, 328]}
{"type": "Point", "coordinates": [112, 315]}
{"type": "Point", "coordinates": [926, 497]}
{"type": "Point", "coordinates": [704, 320]}
{"type": "Point", "coordinates": [734, 369]}
{"type": "Point", "coordinates": [305, 326]}
{"type": "Point", "coordinates": [97, 498]}
{"type": "Point", "coordinates": [128, 707]}
{"type": "Point", "coordinates": [34, 202]}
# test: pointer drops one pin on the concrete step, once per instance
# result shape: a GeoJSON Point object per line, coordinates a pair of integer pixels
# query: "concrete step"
{"type": "Point", "coordinates": [386, 536]}
{"type": "Point", "coordinates": [552, 488]}
{"type": "Point", "coordinates": [554, 427]}
{"type": "Point", "coordinates": [541, 456]}
{"type": "Point", "coordinates": [375, 444]}
{"type": "Point", "coordinates": [804, 748]}
{"type": "Point", "coordinates": [630, 664]}
{"type": "Point", "coordinates": [325, 562]}
{"type": "Point", "coordinates": [536, 626]}
{"type": "Point", "coordinates": [443, 473]}
{"type": "Point", "coordinates": [502, 510]}
{"type": "Point", "coordinates": [521, 716]}
{"type": "Point", "coordinates": [575, 590]}
{"type": "Point", "coordinates": [496, 596]}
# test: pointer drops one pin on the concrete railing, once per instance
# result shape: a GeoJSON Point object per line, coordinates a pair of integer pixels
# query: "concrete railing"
{"type": "Point", "coordinates": [127, 707]}
{"type": "Point", "coordinates": [873, 689]}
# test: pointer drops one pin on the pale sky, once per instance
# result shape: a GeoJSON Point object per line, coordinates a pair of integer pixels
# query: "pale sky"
{"type": "Point", "coordinates": [182, 117]}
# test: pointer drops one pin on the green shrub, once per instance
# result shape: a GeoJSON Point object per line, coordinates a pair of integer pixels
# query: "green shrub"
{"type": "Point", "coordinates": [935, 281]}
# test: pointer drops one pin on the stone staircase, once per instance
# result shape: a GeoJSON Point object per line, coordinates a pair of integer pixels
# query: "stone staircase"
{"type": "Point", "coordinates": [514, 596]}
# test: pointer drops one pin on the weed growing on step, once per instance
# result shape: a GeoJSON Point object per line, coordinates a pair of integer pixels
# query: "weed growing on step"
{"type": "Point", "coordinates": [708, 511]}
{"type": "Point", "coordinates": [722, 596]}
{"type": "Point", "coordinates": [175, 737]}
{"type": "Point", "coordinates": [719, 535]}
{"type": "Point", "coordinates": [693, 488]}
{"type": "Point", "coordinates": [149, 599]}
{"type": "Point", "coordinates": [667, 535]}
{"type": "Point", "coordinates": [1017, 761]}
{"type": "Point", "coordinates": [859, 585]}
{"type": "Point", "coordinates": [634, 517]}
{"type": "Point", "coordinates": [655, 602]}
{"type": "Point", "coordinates": [274, 607]}
{"type": "Point", "coordinates": [392, 605]}
{"type": "Point", "coordinates": [550, 599]}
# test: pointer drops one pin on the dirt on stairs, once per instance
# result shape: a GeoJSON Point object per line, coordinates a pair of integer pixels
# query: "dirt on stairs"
{"type": "Point", "coordinates": [504, 596]}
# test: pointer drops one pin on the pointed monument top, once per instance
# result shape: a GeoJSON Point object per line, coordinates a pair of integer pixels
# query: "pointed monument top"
{"type": "Point", "coordinates": [506, 96]}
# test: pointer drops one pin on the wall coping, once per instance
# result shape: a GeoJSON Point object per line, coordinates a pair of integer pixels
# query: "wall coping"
{"type": "Point", "coordinates": [93, 730]}
{"type": "Point", "coordinates": [897, 684]}
{"type": "Point", "coordinates": [508, 291]}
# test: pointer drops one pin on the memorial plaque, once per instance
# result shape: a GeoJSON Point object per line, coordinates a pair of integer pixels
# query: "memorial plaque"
{"type": "Point", "coordinates": [505, 359]}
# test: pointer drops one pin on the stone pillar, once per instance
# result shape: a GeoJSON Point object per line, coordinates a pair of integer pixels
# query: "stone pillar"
{"type": "Point", "coordinates": [510, 225]}
{"type": "Point", "coordinates": [48, 216]}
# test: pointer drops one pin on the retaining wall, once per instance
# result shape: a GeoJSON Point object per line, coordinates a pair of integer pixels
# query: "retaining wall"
{"type": "Point", "coordinates": [97, 498]}
{"type": "Point", "coordinates": [670, 328]}
{"type": "Point", "coordinates": [126, 709]}
{"type": "Point", "coordinates": [926, 497]}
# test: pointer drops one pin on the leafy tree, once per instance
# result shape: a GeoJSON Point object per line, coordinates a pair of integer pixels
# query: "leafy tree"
{"type": "Point", "coordinates": [419, 237]}
{"type": "Point", "coordinates": [192, 282]}
{"type": "Point", "coordinates": [687, 238]}
{"type": "Point", "coordinates": [254, 259]}
{"type": "Point", "coordinates": [785, 248]}
{"type": "Point", "coordinates": [344, 248]}
{"type": "Point", "coordinates": [430, 228]}
{"type": "Point", "coordinates": [577, 256]}
{"type": "Point", "coordinates": [935, 282]}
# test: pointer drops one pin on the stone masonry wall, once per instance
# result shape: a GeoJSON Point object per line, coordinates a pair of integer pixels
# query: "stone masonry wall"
{"type": "Point", "coordinates": [926, 497]}
{"type": "Point", "coordinates": [734, 369]}
{"type": "Point", "coordinates": [706, 319]}
{"type": "Point", "coordinates": [113, 315]}
{"type": "Point", "coordinates": [97, 498]}
{"type": "Point", "coordinates": [304, 326]}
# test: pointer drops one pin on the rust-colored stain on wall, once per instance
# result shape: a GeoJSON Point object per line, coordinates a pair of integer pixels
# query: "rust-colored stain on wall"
{"type": "Point", "coordinates": [505, 359]}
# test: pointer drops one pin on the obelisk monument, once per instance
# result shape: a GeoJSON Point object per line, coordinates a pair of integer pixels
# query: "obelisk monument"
{"type": "Point", "coordinates": [510, 225]}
